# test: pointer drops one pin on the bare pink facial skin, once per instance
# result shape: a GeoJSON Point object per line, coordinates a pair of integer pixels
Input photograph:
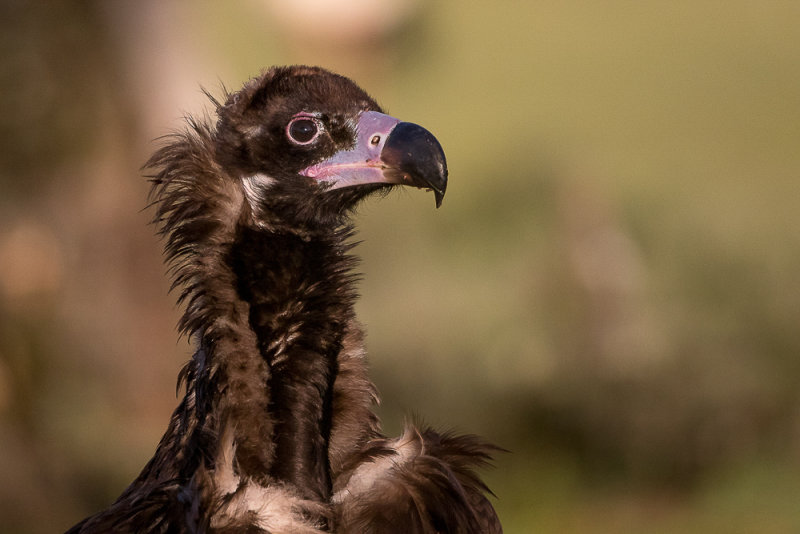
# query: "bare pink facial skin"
{"type": "Point", "coordinates": [362, 164]}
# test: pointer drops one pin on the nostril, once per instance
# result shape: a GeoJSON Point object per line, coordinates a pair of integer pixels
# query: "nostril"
{"type": "Point", "coordinates": [375, 140]}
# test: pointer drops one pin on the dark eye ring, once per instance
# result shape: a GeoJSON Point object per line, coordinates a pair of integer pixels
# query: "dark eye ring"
{"type": "Point", "coordinates": [303, 130]}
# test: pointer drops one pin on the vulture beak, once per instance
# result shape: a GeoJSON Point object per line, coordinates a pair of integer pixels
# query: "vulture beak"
{"type": "Point", "coordinates": [386, 151]}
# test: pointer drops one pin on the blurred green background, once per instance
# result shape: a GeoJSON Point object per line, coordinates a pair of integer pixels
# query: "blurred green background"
{"type": "Point", "coordinates": [610, 289]}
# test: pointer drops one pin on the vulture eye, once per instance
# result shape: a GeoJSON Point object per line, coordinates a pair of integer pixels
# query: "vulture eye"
{"type": "Point", "coordinates": [302, 130]}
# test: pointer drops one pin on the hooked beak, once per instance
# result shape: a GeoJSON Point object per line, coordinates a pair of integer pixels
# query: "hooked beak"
{"type": "Point", "coordinates": [386, 151]}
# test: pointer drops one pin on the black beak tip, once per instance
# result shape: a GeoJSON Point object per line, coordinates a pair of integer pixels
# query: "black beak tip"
{"type": "Point", "coordinates": [438, 194]}
{"type": "Point", "coordinates": [417, 154]}
{"type": "Point", "coordinates": [439, 183]}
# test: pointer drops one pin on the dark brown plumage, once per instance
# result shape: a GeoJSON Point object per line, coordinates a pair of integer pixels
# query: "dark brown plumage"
{"type": "Point", "coordinates": [275, 432]}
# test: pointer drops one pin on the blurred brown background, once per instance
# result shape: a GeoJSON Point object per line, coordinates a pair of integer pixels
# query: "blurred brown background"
{"type": "Point", "coordinates": [610, 290]}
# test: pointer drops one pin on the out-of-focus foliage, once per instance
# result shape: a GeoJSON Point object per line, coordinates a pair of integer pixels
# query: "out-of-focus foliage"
{"type": "Point", "coordinates": [610, 289]}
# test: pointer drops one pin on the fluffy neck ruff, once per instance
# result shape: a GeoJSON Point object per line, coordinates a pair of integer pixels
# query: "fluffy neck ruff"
{"type": "Point", "coordinates": [268, 309]}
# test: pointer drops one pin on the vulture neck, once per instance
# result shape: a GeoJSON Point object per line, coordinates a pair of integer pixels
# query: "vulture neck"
{"type": "Point", "coordinates": [269, 309]}
{"type": "Point", "coordinates": [298, 296]}
{"type": "Point", "coordinates": [278, 310]}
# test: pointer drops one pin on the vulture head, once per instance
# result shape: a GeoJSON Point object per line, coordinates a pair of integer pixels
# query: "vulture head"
{"type": "Point", "coordinates": [308, 144]}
